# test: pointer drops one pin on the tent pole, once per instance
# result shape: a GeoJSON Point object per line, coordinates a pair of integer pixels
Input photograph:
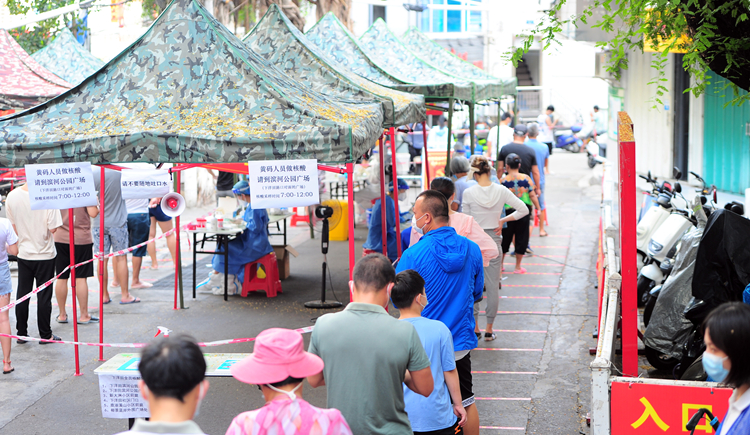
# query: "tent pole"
{"type": "Point", "coordinates": [73, 286]}
{"type": "Point", "coordinates": [350, 199]}
{"type": "Point", "coordinates": [426, 163]}
{"type": "Point", "coordinates": [101, 263]}
{"type": "Point", "coordinates": [450, 136]}
{"type": "Point", "coordinates": [392, 132]}
{"type": "Point", "coordinates": [178, 255]}
{"type": "Point", "coordinates": [472, 128]}
{"type": "Point", "coordinates": [383, 219]}
{"type": "Point", "coordinates": [497, 140]}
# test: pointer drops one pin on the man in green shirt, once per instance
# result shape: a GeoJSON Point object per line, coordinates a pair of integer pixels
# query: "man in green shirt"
{"type": "Point", "coordinates": [368, 355]}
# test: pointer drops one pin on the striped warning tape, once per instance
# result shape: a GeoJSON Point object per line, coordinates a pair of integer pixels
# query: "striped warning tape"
{"type": "Point", "coordinates": [531, 285]}
{"type": "Point", "coordinates": [491, 372]}
{"type": "Point", "coordinates": [508, 349]}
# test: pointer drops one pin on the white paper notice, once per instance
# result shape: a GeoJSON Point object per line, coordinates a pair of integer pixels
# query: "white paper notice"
{"type": "Point", "coordinates": [120, 396]}
{"type": "Point", "coordinates": [137, 184]}
{"type": "Point", "coordinates": [283, 183]}
{"type": "Point", "coordinates": [60, 185]}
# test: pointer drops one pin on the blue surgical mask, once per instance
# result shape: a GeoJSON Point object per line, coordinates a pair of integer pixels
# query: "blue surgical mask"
{"type": "Point", "coordinates": [714, 366]}
{"type": "Point", "coordinates": [417, 228]}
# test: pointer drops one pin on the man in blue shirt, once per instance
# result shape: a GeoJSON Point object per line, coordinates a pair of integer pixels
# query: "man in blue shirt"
{"type": "Point", "coordinates": [435, 414]}
{"type": "Point", "coordinates": [451, 265]}
{"type": "Point", "coordinates": [374, 242]}
{"type": "Point", "coordinates": [542, 160]}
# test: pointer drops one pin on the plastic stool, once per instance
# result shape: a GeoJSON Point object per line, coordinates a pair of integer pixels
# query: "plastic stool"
{"type": "Point", "coordinates": [300, 215]}
{"type": "Point", "coordinates": [270, 284]}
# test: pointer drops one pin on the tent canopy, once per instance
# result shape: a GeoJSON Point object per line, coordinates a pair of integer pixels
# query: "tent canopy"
{"type": "Point", "coordinates": [67, 58]}
{"type": "Point", "coordinates": [282, 44]}
{"type": "Point", "coordinates": [23, 82]}
{"type": "Point", "coordinates": [430, 51]}
{"type": "Point", "coordinates": [189, 91]}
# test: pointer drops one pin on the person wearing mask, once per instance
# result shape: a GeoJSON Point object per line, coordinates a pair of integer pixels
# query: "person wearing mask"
{"type": "Point", "coordinates": [547, 123]}
{"type": "Point", "coordinates": [500, 134]}
{"type": "Point", "coordinates": [84, 244]}
{"type": "Point", "coordinates": [173, 382]}
{"type": "Point", "coordinates": [727, 361]}
{"type": "Point", "coordinates": [374, 242]}
{"type": "Point", "coordinates": [442, 412]}
{"type": "Point", "coordinates": [249, 246]}
{"type": "Point", "coordinates": [278, 365]}
{"type": "Point", "coordinates": [542, 160]}
{"type": "Point", "coordinates": [115, 233]}
{"type": "Point", "coordinates": [8, 246]}
{"type": "Point", "coordinates": [460, 168]}
{"type": "Point", "coordinates": [415, 143]}
{"type": "Point", "coordinates": [36, 259]}
{"type": "Point", "coordinates": [517, 230]}
{"type": "Point", "coordinates": [437, 137]}
{"type": "Point", "coordinates": [451, 266]}
{"type": "Point", "coordinates": [485, 202]}
{"type": "Point", "coordinates": [368, 355]}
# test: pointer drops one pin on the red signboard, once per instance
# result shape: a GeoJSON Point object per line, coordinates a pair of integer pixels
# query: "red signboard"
{"type": "Point", "coordinates": [639, 409]}
{"type": "Point", "coordinates": [436, 164]}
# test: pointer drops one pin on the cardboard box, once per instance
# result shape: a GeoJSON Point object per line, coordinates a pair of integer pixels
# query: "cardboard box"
{"type": "Point", "coordinates": [282, 259]}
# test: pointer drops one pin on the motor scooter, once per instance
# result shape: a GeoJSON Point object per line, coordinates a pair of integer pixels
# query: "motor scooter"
{"type": "Point", "coordinates": [565, 138]}
{"type": "Point", "coordinates": [595, 151]}
{"type": "Point", "coordinates": [658, 204]}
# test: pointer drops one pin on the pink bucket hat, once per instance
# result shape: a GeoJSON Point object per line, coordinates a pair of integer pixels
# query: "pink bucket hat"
{"type": "Point", "coordinates": [278, 354]}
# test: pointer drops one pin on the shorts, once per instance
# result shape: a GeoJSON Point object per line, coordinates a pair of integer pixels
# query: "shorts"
{"type": "Point", "coordinates": [115, 238]}
{"type": "Point", "coordinates": [139, 225]}
{"type": "Point", "coordinates": [83, 253]}
{"type": "Point", "coordinates": [542, 204]}
{"type": "Point", "coordinates": [453, 429]}
{"type": "Point", "coordinates": [6, 285]}
{"type": "Point", "coordinates": [463, 366]}
{"type": "Point", "coordinates": [158, 213]}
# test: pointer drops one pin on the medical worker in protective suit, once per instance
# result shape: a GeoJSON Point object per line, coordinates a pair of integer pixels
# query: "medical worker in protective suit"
{"type": "Point", "coordinates": [249, 246]}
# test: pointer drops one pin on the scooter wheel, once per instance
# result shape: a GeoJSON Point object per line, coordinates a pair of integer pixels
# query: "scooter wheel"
{"type": "Point", "coordinates": [644, 286]}
{"type": "Point", "coordinates": [650, 304]}
{"type": "Point", "coordinates": [695, 371]}
{"type": "Point", "coordinates": [659, 360]}
{"type": "Point", "coordinates": [574, 148]}
{"type": "Point", "coordinates": [592, 162]}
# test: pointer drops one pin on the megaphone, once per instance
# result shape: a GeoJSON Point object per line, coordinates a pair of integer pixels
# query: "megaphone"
{"type": "Point", "coordinates": [173, 204]}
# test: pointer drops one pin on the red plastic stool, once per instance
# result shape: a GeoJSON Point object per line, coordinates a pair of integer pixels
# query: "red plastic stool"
{"type": "Point", "coordinates": [270, 284]}
{"type": "Point", "coordinates": [300, 215]}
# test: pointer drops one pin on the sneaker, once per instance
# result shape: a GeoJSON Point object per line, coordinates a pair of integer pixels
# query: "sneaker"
{"type": "Point", "coordinates": [53, 338]}
{"type": "Point", "coordinates": [529, 251]}
{"type": "Point", "coordinates": [19, 341]}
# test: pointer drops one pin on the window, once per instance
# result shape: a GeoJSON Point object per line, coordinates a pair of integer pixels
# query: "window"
{"type": "Point", "coordinates": [452, 16]}
{"type": "Point", "coordinates": [376, 12]}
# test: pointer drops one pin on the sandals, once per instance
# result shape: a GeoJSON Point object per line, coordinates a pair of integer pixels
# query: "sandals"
{"type": "Point", "coordinates": [489, 336]}
{"type": "Point", "coordinates": [520, 271]}
{"type": "Point", "coordinates": [91, 320]}
{"type": "Point", "coordinates": [134, 301]}
{"type": "Point", "coordinates": [57, 319]}
{"type": "Point", "coordinates": [5, 372]}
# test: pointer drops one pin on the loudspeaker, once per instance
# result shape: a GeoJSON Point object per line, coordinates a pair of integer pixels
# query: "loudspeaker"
{"type": "Point", "coordinates": [173, 204]}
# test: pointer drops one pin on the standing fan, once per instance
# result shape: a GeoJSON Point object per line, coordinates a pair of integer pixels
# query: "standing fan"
{"type": "Point", "coordinates": [323, 213]}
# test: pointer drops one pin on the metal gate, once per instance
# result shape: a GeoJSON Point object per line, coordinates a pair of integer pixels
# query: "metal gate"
{"type": "Point", "coordinates": [726, 138]}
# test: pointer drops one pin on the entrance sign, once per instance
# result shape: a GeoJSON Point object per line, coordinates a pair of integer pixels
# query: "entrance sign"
{"type": "Point", "coordinates": [663, 409]}
{"type": "Point", "coordinates": [137, 184]}
{"type": "Point", "coordinates": [60, 186]}
{"type": "Point", "coordinates": [283, 183]}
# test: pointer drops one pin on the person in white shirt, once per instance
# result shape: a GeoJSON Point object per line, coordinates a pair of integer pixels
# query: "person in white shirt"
{"type": "Point", "coordinates": [727, 361]}
{"type": "Point", "coordinates": [485, 202]}
{"type": "Point", "coordinates": [8, 245]}
{"type": "Point", "coordinates": [547, 123]}
{"type": "Point", "coordinates": [494, 143]}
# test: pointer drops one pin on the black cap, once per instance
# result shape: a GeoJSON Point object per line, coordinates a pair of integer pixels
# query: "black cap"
{"type": "Point", "coordinates": [520, 130]}
{"type": "Point", "coordinates": [551, 107]}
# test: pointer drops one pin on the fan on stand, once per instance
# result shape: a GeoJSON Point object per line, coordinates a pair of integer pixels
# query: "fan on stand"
{"type": "Point", "coordinates": [329, 210]}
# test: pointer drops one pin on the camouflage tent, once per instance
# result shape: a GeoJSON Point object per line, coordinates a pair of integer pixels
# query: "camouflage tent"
{"type": "Point", "coordinates": [67, 58]}
{"type": "Point", "coordinates": [23, 82]}
{"type": "Point", "coordinates": [277, 40]}
{"type": "Point", "coordinates": [189, 91]}
{"type": "Point", "coordinates": [432, 53]}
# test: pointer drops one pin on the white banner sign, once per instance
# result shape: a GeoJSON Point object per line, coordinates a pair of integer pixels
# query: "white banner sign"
{"type": "Point", "coordinates": [137, 184]}
{"type": "Point", "coordinates": [283, 183]}
{"type": "Point", "coordinates": [61, 185]}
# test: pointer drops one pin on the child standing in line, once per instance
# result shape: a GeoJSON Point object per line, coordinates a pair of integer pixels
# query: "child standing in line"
{"type": "Point", "coordinates": [433, 414]}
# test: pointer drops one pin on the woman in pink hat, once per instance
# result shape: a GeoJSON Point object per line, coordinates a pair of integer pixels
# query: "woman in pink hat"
{"type": "Point", "coordinates": [278, 366]}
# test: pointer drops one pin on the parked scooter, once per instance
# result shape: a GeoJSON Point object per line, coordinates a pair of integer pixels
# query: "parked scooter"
{"type": "Point", "coordinates": [566, 138]}
{"type": "Point", "coordinates": [654, 211]}
{"type": "Point", "coordinates": [596, 152]}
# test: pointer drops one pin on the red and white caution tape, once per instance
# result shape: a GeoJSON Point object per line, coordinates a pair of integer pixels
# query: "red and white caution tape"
{"type": "Point", "coordinates": [304, 330]}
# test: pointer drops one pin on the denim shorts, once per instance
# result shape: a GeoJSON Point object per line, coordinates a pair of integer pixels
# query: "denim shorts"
{"type": "Point", "coordinates": [115, 238]}
{"type": "Point", "coordinates": [541, 198]}
{"type": "Point", "coordinates": [158, 213]}
{"type": "Point", "coordinates": [138, 226]}
{"type": "Point", "coordinates": [6, 285]}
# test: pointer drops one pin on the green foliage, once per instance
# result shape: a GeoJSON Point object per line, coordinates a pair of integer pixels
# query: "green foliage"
{"type": "Point", "coordinates": [149, 9]}
{"type": "Point", "coordinates": [712, 41]}
{"type": "Point", "coordinates": [34, 37]}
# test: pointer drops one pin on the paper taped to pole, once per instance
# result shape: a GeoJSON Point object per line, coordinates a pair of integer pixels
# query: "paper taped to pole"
{"type": "Point", "coordinates": [136, 184]}
{"type": "Point", "coordinates": [283, 183]}
{"type": "Point", "coordinates": [57, 186]}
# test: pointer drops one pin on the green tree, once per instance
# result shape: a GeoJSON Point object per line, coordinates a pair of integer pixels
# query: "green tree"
{"type": "Point", "coordinates": [34, 37]}
{"type": "Point", "coordinates": [714, 35]}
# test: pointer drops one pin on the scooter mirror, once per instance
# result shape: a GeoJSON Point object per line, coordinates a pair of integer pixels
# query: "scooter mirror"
{"type": "Point", "coordinates": [649, 175]}
{"type": "Point", "coordinates": [677, 187]}
{"type": "Point", "coordinates": [676, 173]}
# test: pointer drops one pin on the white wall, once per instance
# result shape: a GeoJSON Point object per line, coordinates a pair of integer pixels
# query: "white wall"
{"type": "Point", "coordinates": [695, 135]}
{"type": "Point", "coordinates": [653, 128]}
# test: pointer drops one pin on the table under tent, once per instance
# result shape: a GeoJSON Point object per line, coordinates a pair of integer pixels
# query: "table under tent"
{"type": "Point", "coordinates": [189, 91]}
{"type": "Point", "coordinates": [66, 58]}
{"type": "Point", "coordinates": [23, 82]}
{"type": "Point", "coordinates": [277, 40]}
